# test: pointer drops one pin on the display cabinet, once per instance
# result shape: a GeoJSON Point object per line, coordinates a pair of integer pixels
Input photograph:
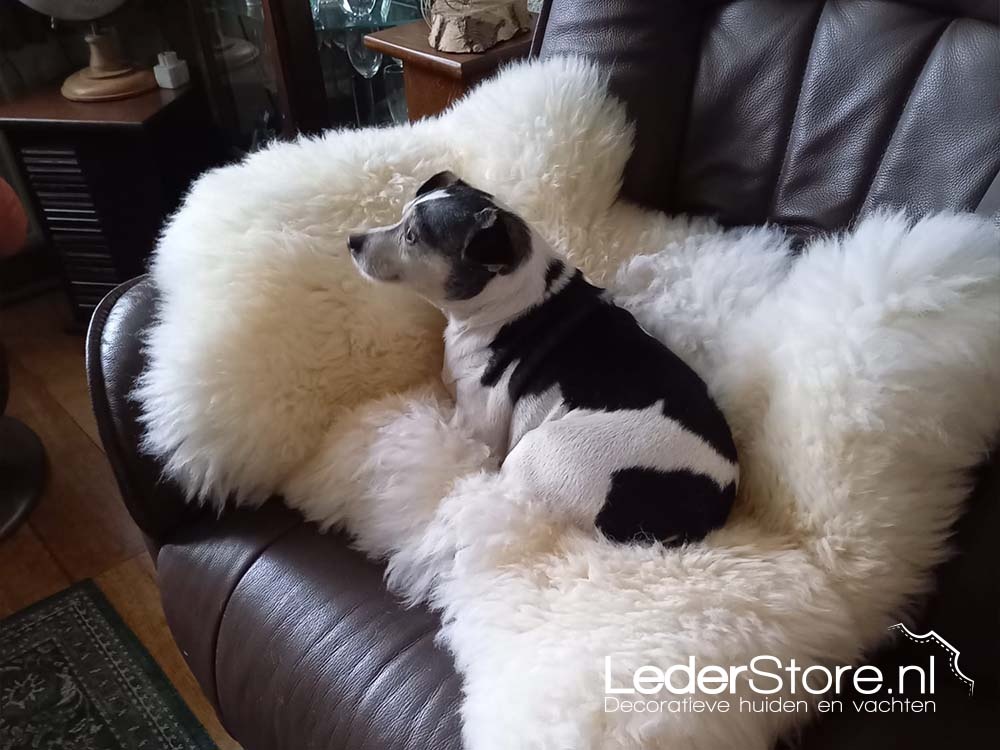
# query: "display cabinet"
{"type": "Point", "coordinates": [283, 67]}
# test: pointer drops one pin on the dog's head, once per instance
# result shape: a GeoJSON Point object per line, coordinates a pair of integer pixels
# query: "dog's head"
{"type": "Point", "coordinates": [451, 242]}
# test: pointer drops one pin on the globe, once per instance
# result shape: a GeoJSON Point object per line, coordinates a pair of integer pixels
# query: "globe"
{"type": "Point", "coordinates": [74, 10]}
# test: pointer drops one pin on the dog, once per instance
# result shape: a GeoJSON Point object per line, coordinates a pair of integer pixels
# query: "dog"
{"type": "Point", "coordinates": [594, 415]}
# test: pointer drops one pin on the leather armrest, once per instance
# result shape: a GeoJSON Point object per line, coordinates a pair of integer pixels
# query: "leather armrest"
{"type": "Point", "coordinates": [114, 360]}
{"type": "Point", "coordinates": [294, 638]}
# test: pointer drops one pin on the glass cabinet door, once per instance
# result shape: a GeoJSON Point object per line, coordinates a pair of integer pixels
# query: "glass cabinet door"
{"type": "Point", "coordinates": [362, 87]}
{"type": "Point", "coordinates": [279, 67]}
{"type": "Point", "coordinates": [239, 66]}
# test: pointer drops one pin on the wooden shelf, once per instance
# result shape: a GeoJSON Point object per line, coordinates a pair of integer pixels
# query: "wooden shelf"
{"type": "Point", "coordinates": [408, 43]}
{"type": "Point", "coordinates": [49, 107]}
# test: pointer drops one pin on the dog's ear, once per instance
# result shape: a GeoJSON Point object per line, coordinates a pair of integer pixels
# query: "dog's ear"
{"type": "Point", "coordinates": [493, 243]}
{"type": "Point", "coordinates": [438, 181]}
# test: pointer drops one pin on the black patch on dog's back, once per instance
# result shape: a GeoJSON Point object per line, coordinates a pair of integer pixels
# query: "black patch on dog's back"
{"type": "Point", "coordinates": [553, 272]}
{"type": "Point", "coordinates": [601, 359]}
{"type": "Point", "coordinates": [674, 507]}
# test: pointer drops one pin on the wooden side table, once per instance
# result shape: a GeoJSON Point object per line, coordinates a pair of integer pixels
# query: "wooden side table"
{"type": "Point", "coordinates": [102, 177]}
{"type": "Point", "coordinates": [435, 79]}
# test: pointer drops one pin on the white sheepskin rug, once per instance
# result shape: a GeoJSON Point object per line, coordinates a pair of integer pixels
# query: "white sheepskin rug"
{"type": "Point", "coordinates": [861, 380]}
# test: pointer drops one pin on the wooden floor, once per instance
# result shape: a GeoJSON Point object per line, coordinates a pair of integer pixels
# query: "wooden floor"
{"type": "Point", "coordinates": [80, 529]}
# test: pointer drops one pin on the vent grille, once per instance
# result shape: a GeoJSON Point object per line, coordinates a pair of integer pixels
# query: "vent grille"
{"type": "Point", "coordinates": [73, 222]}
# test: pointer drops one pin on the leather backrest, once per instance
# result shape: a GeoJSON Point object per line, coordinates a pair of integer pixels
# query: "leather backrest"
{"type": "Point", "coordinates": [807, 113]}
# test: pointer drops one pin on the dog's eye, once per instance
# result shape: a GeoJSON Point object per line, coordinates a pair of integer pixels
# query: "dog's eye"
{"type": "Point", "coordinates": [410, 237]}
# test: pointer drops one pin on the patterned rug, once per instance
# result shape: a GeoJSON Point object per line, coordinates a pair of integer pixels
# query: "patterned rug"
{"type": "Point", "coordinates": [74, 677]}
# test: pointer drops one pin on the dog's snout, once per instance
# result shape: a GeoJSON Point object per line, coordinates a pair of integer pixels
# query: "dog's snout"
{"type": "Point", "coordinates": [355, 242]}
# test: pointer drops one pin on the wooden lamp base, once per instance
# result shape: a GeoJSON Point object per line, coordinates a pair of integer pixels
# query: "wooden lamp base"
{"type": "Point", "coordinates": [107, 78]}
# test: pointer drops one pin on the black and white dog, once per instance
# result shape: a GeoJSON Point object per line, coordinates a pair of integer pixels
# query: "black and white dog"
{"type": "Point", "coordinates": [569, 392]}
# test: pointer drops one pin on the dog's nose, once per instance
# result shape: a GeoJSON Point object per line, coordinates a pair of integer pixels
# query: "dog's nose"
{"type": "Point", "coordinates": [355, 243]}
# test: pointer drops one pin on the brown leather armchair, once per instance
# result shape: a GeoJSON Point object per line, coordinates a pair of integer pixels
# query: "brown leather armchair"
{"type": "Point", "coordinates": [799, 112]}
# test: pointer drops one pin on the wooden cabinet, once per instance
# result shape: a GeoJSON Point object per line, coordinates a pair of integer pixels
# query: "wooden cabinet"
{"type": "Point", "coordinates": [434, 79]}
{"type": "Point", "coordinates": [102, 177]}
